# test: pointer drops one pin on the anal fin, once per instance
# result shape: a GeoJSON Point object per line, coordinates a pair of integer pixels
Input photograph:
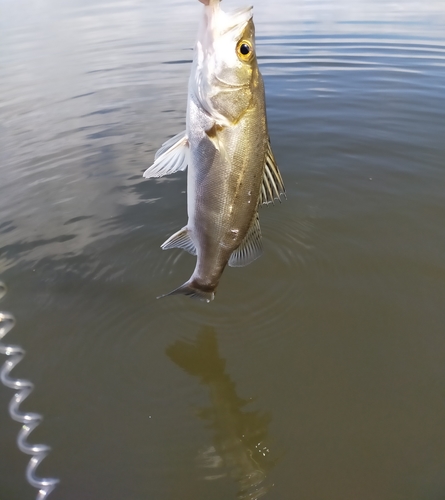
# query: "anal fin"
{"type": "Point", "coordinates": [181, 239]}
{"type": "Point", "coordinates": [251, 247]}
{"type": "Point", "coordinates": [172, 157]}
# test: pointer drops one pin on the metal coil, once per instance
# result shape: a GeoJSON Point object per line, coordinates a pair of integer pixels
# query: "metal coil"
{"type": "Point", "coordinates": [29, 420]}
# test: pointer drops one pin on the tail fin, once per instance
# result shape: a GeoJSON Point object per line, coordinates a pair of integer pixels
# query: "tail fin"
{"type": "Point", "coordinates": [193, 290]}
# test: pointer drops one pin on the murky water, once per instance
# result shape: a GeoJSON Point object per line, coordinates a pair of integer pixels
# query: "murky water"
{"type": "Point", "coordinates": [319, 371]}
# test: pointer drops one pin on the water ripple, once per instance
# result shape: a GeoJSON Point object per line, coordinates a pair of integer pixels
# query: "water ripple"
{"type": "Point", "coordinates": [331, 53]}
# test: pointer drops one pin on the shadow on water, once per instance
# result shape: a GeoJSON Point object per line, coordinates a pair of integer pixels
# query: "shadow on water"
{"type": "Point", "coordinates": [239, 448]}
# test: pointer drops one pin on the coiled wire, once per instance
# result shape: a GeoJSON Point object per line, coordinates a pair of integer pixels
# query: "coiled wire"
{"type": "Point", "coordinates": [29, 420]}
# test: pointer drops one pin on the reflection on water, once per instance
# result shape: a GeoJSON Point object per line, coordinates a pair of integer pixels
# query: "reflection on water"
{"type": "Point", "coordinates": [239, 437]}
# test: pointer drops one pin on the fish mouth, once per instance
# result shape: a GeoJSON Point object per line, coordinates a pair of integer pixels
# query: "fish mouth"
{"type": "Point", "coordinates": [220, 23]}
{"type": "Point", "coordinates": [238, 20]}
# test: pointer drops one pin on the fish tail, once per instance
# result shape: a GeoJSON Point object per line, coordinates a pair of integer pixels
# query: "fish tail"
{"type": "Point", "coordinates": [194, 290]}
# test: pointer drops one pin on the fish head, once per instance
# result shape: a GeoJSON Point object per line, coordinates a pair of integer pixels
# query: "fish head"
{"type": "Point", "coordinates": [225, 69]}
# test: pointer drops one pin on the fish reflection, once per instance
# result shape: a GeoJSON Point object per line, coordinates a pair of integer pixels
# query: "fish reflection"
{"type": "Point", "coordinates": [239, 447]}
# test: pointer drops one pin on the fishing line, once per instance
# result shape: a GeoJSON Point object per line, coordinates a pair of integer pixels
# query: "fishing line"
{"type": "Point", "coordinates": [29, 420]}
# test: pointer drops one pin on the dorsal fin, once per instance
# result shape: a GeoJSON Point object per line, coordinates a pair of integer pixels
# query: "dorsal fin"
{"type": "Point", "coordinates": [272, 187]}
{"type": "Point", "coordinates": [251, 247]}
{"type": "Point", "coordinates": [170, 158]}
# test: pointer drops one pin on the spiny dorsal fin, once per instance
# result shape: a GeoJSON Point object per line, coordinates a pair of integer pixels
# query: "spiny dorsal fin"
{"type": "Point", "coordinates": [251, 247]}
{"type": "Point", "coordinates": [170, 158]}
{"type": "Point", "coordinates": [180, 239]}
{"type": "Point", "coordinates": [273, 186]}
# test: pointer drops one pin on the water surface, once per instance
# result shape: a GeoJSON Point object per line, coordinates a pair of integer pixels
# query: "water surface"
{"type": "Point", "coordinates": [319, 371]}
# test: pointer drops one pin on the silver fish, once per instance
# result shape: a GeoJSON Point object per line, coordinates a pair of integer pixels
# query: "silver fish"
{"type": "Point", "coordinates": [226, 146]}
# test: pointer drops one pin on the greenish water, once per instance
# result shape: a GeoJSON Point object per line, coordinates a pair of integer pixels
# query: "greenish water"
{"type": "Point", "coordinates": [318, 373]}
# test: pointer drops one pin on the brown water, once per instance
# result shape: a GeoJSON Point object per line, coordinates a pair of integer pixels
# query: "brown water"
{"type": "Point", "coordinates": [318, 373]}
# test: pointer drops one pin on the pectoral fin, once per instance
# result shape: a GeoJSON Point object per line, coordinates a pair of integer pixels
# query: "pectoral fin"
{"type": "Point", "coordinates": [213, 133]}
{"type": "Point", "coordinates": [181, 239]}
{"type": "Point", "coordinates": [172, 157]}
{"type": "Point", "coordinates": [251, 247]}
{"type": "Point", "coordinates": [272, 187]}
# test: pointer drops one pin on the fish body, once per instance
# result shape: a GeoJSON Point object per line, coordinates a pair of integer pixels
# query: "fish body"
{"type": "Point", "coordinates": [231, 168]}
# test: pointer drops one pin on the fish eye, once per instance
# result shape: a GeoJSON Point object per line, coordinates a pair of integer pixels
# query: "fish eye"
{"type": "Point", "coordinates": [244, 50]}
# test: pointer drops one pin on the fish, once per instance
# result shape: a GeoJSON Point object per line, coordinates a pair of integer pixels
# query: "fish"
{"type": "Point", "coordinates": [231, 169]}
{"type": "Point", "coordinates": [239, 448]}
